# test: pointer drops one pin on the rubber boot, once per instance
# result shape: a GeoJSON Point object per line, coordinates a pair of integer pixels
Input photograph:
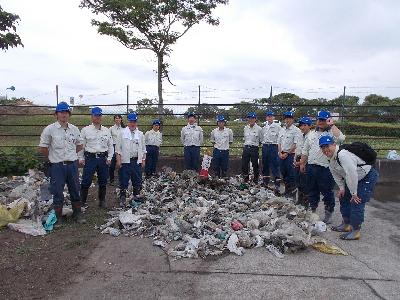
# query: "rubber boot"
{"type": "Point", "coordinates": [306, 203]}
{"type": "Point", "coordinates": [60, 220]}
{"type": "Point", "coordinates": [102, 196]}
{"type": "Point", "coordinates": [84, 195]}
{"type": "Point", "coordinates": [77, 213]}
{"type": "Point", "coordinates": [266, 180]}
{"type": "Point", "coordinates": [327, 217]}
{"type": "Point", "coordinates": [122, 198]}
{"type": "Point", "coordinates": [277, 188]}
{"type": "Point", "coordinates": [351, 236]}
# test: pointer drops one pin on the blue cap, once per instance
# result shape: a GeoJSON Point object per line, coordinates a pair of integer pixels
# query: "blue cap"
{"type": "Point", "coordinates": [323, 115]}
{"type": "Point", "coordinates": [288, 114]}
{"type": "Point", "coordinates": [221, 118]}
{"type": "Point", "coordinates": [132, 117]}
{"type": "Point", "coordinates": [251, 115]}
{"type": "Point", "coordinates": [63, 106]}
{"type": "Point", "coordinates": [305, 120]}
{"type": "Point", "coordinates": [97, 111]}
{"type": "Point", "coordinates": [270, 113]}
{"type": "Point", "coordinates": [156, 122]}
{"type": "Point", "coordinates": [326, 140]}
{"type": "Point", "coordinates": [191, 114]}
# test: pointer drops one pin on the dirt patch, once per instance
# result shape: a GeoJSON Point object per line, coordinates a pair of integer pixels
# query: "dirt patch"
{"type": "Point", "coordinates": [40, 267]}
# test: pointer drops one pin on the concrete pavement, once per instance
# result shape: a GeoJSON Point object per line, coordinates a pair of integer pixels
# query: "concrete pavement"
{"type": "Point", "coordinates": [131, 268]}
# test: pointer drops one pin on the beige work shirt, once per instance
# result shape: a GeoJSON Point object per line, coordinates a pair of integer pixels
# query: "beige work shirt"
{"type": "Point", "coordinates": [130, 144]}
{"type": "Point", "coordinates": [270, 133]}
{"type": "Point", "coordinates": [288, 137]}
{"type": "Point", "coordinates": [221, 138]}
{"type": "Point", "coordinates": [61, 142]}
{"type": "Point", "coordinates": [153, 138]}
{"type": "Point", "coordinates": [96, 141]}
{"type": "Point", "coordinates": [192, 135]}
{"type": "Point", "coordinates": [300, 142]}
{"type": "Point", "coordinates": [312, 150]}
{"type": "Point", "coordinates": [348, 172]}
{"type": "Point", "coordinates": [115, 130]}
{"type": "Point", "coordinates": [252, 135]}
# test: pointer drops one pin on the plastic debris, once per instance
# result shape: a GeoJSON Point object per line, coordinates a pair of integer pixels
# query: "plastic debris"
{"type": "Point", "coordinates": [10, 215]}
{"type": "Point", "coordinates": [28, 227]}
{"type": "Point", "coordinates": [393, 155]}
{"type": "Point", "coordinates": [275, 251]}
{"type": "Point", "coordinates": [112, 231]}
{"type": "Point", "coordinates": [324, 247]}
{"type": "Point", "coordinates": [51, 220]}
{"type": "Point", "coordinates": [191, 217]}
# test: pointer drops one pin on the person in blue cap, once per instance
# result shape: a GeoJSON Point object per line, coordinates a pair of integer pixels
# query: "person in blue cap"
{"type": "Point", "coordinates": [252, 138]}
{"type": "Point", "coordinates": [221, 137]}
{"type": "Point", "coordinates": [301, 177]}
{"type": "Point", "coordinates": [192, 140]}
{"type": "Point", "coordinates": [96, 156]}
{"type": "Point", "coordinates": [287, 143]}
{"type": "Point", "coordinates": [314, 162]}
{"type": "Point", "coordinates": [60, 142]}
{"type": "Point", "coordinates": [356, 180]}
{"type": "Point", "coordinates": [131, 156]}
{"type": "Point", "coordinates": [270, 158]}
{"type": "Point", "coordinates": [153, 141]}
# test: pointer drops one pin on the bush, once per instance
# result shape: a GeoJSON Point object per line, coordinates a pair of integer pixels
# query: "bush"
{"type": "Point", "coordinates": [370, 129]}
{"type": "Point", "coordinates": [18, 161]}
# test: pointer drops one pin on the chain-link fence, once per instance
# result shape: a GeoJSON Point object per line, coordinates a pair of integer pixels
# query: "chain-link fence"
{"type": "Point", "coordinates": [21, 125]}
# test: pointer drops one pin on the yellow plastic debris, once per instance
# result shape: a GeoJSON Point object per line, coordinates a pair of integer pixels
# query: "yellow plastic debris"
{"type": "Point", "coordinates": [10, 215]}
{"type": "Point", "coordinates": [324, 247]}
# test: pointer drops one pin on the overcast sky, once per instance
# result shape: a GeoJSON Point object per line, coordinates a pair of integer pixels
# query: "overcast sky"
{"type": "Point", "coordinates": [309, 47]}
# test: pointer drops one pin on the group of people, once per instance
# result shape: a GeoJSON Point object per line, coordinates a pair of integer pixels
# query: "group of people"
{"type": "Point", "coordinates": [307, 160]}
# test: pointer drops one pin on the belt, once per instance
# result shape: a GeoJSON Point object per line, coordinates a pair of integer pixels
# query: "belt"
{"type": "Point", "coordinates": [65, 162]}
{"type": "Point", "coordinates": [274, 144]}
{"type": "Point", "coordinates": [133, 158]}
{"type": "Point", "coordinates": [250, 146]}
{"type": "Point", "coordinates": [96, 155]}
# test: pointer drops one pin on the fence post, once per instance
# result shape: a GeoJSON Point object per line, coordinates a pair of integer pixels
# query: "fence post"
{"type": "Point", "coordinates": [198, 118]}
{"type": "Point", "coordinates": [127, 99]}
{"type": "Point", "coordinates": [57, 93]}
{"type": "Point", "coordinates": [343, 102]}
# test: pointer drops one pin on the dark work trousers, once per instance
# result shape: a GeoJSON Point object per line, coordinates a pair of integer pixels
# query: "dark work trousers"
{"type": "Point", "coordinates": [320, 181]}
{"type": "Point", "coordinates": [250, 153]}
{"type": "Point", "coordinates": [192, 157]}
{"type": "Point", "coordinates": [270, 162]}
{"type": "Point", "coordinates": [95, 165]}
{"type": "Point", "coordinates": [301, 180]}
{"type": "Point", "coordinates": [61, 174]}
{"type": "Point", "coordinates": [131, 171]}
{"type": "Point", "coordinates": [112, 167]}
{"type": "Point", "coordinates": [151, 159]}
{"type": "Point", "coordinates": [353, 213]}
{"type": "Point", "coordinates": [220, 161]}
{"type": "Point", "coordinates": [287, 171]}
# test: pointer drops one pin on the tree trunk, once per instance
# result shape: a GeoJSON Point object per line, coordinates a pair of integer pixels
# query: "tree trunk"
{"type": "Point", "coordinates": [159, 78]}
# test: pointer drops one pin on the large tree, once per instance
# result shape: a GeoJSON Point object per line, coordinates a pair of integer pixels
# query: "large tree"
{"type": "Point", "coordinates": [153, 25]}
{"type": "Point", "coordinates": [8, 36]}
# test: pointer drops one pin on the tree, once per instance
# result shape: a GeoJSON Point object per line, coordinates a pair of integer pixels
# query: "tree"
{"type": "Point", "coordinates": [153, 25]}
{"type": "Point", "coordinates": [149, 107]}
{"type": "Point", "coordinates": [8, 36]}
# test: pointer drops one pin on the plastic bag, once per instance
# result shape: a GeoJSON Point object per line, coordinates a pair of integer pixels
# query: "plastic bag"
{"type": "Point", "coordinates": [28, 227]}
{"type": "Point", "coordinates": [50, 221]}
{"type": "Point", "coordinates": [393, 155]}
{"type": "Point", "coordinates": [324, 247]}
{"type": "Point", "coordinates": [11, 215]}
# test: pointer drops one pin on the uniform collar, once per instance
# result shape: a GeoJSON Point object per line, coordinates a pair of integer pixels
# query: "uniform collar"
{"type": "Point", "coordinates": [325, 130]}
{"type": "Point", "coordinates": [58, 125]}
{"type": "Point", "coordinates": [335, 154]}
{"type": "Point", "coordinates": [95, 126]}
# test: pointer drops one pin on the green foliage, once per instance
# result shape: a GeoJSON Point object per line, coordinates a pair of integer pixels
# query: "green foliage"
{"type": "Point", "coordinates": [8, 36]}
{"type": "Point", "coordinates": [153, 25]}
{"type": "Point", "coordinates": [149, 107]}
{"type": "Point", "coordinates": [18, 161]}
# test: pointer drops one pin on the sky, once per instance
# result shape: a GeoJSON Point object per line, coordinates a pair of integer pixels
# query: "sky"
{"type": "Point", "coordinates": [311, 48]}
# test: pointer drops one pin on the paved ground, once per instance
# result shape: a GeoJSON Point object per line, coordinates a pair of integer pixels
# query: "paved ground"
{"type": "Point", "coordinates": [131, 268]}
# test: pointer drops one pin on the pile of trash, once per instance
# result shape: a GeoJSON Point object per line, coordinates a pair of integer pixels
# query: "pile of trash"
{"type": "Point", "coordinates": [25, 201]}
{"type": "Point", "coordinates": [190, 217]}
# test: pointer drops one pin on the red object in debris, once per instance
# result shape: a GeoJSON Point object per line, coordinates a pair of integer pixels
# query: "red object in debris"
{"type": "Point", "coordinates": [236, 225]}
{"type": "Point", "coordinates": [204, 173]}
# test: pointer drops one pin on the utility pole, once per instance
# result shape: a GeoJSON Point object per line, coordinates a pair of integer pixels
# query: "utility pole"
{"type": "Point", "coordinates": [127, 99]}
{"type": "Point", "coordinates": [57, 93]}
{"type": "Point", "coordinates": [344, 98]}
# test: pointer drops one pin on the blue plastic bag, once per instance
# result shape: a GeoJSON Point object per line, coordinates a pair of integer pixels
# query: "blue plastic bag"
{"type": "Point", "coordinates": [51, 220]}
